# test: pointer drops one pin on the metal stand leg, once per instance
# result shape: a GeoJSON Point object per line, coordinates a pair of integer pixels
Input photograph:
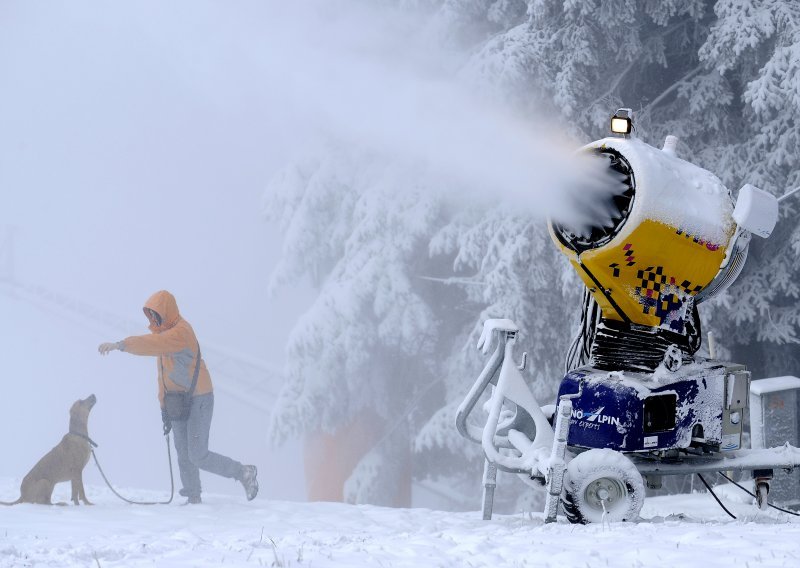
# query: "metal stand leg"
{"type": "Point", "coordinates": [555, 474]}
{"type": "Point", "coordinates": [489, 483]}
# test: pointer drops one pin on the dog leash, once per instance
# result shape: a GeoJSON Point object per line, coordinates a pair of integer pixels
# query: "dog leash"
{"type": "Point", "coordinates": [114, 491]}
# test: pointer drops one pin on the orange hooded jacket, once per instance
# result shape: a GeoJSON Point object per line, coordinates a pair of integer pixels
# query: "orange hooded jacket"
{"type": "Point", "coordinates": [175, 345]}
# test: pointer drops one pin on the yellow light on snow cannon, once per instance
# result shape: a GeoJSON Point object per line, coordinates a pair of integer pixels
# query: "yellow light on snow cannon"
{"type": "Point", "coordinates": [622, 121]}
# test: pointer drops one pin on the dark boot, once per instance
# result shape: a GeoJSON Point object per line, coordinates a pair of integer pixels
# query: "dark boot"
{"type": "Point", "coordinates": [249, 481]}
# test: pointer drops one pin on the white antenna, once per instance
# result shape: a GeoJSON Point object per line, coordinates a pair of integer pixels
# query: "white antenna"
{"type": "Point", "coordinates": [789, 193]}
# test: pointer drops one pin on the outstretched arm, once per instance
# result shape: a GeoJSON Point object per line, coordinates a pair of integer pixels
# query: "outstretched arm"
{"type": "Point", "coordinates": [163, 343]}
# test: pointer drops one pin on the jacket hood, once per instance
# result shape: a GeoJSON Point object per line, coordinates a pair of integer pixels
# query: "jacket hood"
{"type": "Point", "coordinates": [164, 304]}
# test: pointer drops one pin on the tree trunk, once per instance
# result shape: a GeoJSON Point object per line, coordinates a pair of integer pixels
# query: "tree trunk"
{"type": "Point", "coordinates": [330, 459]}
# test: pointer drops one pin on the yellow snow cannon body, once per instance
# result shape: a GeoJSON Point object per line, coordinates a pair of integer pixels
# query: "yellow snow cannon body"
{"type": "Point", "coordinates": [661, 238]}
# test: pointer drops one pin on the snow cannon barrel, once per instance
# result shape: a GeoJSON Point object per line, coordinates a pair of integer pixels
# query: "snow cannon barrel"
{"type": "Point", "coordinates": [657, 241]}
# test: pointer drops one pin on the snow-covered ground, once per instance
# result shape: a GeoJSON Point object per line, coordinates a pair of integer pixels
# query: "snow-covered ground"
{"type": "Point", "coordinates": [688, 531]}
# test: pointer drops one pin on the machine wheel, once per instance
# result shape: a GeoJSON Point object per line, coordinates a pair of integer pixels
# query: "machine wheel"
{"type": "Point", "coordinates": [599, 482]}
{"type": "Point", "coordinates": [762, 495]}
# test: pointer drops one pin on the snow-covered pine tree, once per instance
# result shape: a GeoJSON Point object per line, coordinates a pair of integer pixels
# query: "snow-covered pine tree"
{"type": "Point", "coordinates": [754, 46]}
{"type": "Point", "coordinates": [360, 356]}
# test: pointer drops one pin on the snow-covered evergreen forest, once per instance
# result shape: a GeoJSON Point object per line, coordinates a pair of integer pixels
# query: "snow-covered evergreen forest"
{"type": "Point", "coordinates": [409, 250]}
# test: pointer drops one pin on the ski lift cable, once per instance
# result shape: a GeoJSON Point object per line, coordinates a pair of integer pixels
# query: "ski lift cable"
{"type": "Point", "coordinates": [245, 374]}
{"type": "Point", "coordinates": [753, 495]}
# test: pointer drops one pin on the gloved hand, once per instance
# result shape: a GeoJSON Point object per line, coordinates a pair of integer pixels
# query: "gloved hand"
{"type": "Point", "coordinates": [106, 348]}
{"type": "Point", "coordinates": [166, 421]}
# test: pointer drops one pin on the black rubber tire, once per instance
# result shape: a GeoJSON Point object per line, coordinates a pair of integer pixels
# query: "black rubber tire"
{"type": "Point", "coordinates": [571, 510]}
{"type": "Point", "coordinates": [608, 470]}
{"type": "Point", "coordinates": [762, 496]}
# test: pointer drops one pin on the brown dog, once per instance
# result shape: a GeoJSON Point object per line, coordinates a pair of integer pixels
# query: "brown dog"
{"type": "Point", "coordinates": [65, 462]}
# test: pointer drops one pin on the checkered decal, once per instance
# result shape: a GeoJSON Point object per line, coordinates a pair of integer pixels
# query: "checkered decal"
{"type": "Point", "coordinates": [667, 308]}
{"type": "Point", "coordinates": [687, 287]}
{"type": "Point", "coordinates": [660, 294]}
{"type": "Point", "coordinates": [629, 259]}
{"type": "Point", "coordinates": [651, 275]}
{"type": "Point", "coordinates": [652, 280]}
{"type": "Point", "coordinates": [628, 248]}
{"type": "Point", "coordinates": [698, 240]}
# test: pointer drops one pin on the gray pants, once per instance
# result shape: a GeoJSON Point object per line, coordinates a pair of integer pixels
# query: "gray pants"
{"type": "Point", "coordinates": [191, 443]}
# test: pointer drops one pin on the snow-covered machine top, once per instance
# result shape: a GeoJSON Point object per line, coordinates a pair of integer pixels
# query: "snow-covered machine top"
{"type": "Point", "coordinates": [661, 238]}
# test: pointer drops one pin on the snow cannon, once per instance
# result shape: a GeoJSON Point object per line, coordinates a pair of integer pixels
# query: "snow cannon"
{"type": "Point", "coordinates": [653, 239]}
{"type": "Point", "coordinates": [664, 237]}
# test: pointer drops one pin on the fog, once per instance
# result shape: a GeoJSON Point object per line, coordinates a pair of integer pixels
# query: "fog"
{"type": "Point", "coordinates": [136, 140]}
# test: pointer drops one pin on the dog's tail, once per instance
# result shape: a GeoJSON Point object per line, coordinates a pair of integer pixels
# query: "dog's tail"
{"type": "Point", "coordinates": [17, 502]}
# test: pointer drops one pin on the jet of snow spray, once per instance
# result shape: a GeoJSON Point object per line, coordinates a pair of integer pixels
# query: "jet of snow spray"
{"type": "Point", "coordinates": [370, 79]}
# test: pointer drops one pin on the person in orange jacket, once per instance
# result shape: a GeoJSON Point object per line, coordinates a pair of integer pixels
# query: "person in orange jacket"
{"type": "Point", "coordinates": [172, 340]}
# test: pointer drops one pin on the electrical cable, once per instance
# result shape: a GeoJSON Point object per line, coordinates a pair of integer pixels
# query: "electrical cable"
{"type": "Point", "coordinates": [571, 361]}
{"type": "Point", "coordinates": [580, 349]}
{"type": "Point", "coordinates": [694, 332]}
{"type": "Point", "coordinates": [754, 496]}
{"type": "Point", "coordinates": [592, 331]}
{"type": "Point", "coordinates": [714, 495]}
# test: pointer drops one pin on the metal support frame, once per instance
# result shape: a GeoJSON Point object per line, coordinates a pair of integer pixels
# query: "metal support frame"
{"type": "Point", "coordinates": [489, 484]}
{"type": "Point", "coordinates": [785, 457]}
{"type": "Point", "coordinates": [558, 464]}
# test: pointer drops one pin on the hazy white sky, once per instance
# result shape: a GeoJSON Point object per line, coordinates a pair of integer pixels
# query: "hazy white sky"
{"type": "Point", "coordinates": [135, 142]}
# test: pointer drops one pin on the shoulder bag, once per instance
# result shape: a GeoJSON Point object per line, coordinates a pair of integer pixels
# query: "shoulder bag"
{"type": "Point", "coordinates": [178, 404]}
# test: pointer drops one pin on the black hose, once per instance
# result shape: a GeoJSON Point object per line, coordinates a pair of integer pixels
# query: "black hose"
{"type": "Point", "coordinates": [694, 331]}
{"type": "Point", "coordinates": [714, 495]}
{"type": "Point", "coordinates": [580, 350]}
{"type": "Point", "coordinates": [754, 496]}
